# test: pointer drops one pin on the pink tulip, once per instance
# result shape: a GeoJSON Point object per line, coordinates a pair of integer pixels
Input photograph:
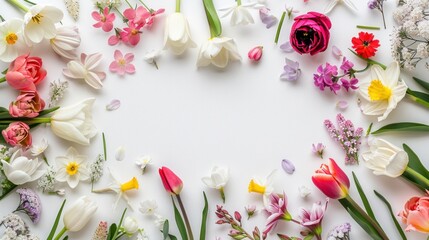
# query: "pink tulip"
{"type": "Point", "coordinates": [27, 104]}
{"type": "Point", "coordinates": [17, 134]}
{"type": "Point", "coordinates": [255, 53]}
{"type": "Point", "coordinates": [172, 183]}
{"type": "Point", "coordinates": [416, 214]}
{"type": "Point", "coordinates": [331, 180]}
{"type": "Point", "coordinates": [25, 72]}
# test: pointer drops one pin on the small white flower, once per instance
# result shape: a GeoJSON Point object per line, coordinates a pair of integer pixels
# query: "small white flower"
{"type": "Point", "coordinates": [218, 51]}
{"type": "Point", "coordinates": [108, 3]}
{"type": "Point", "coordinates": [130, 225]}
{"type": "Point", "coordinates": [218, 178]}
{"type": "Point", "coordinates": [66, 41]}
{"type": "Point", "coordinates": [85, 69]}
{"type": "Point", "coordinates": [240, 14]}
{"type": "Point", "coordinates": [71, 168]}
{"type": "Point", "coordinates": [304, 191]}
{"type": "Point", "coordinates": [334, 3]}
{"type": "Point", "coordinates": [143, 162]}
{"type": "Point", "coordinates": [152, 56]}
{"type": "Point", "coordinates": [61, 192]}
{"type": "Point", "coordinates": [39, 22]}
{"type": "Point", "coordinates": [148, 207]}
{"type": "Point", "coordinates": [12, 42]}
{"type": "Point", "coordinates": [38, 149]}
{"type": "Point", "coordinates": [159, 221]}
{"type": "Point", "coordinates": [120, 153]}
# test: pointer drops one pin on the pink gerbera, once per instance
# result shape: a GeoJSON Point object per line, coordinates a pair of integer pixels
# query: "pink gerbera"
{"type": "Point", "coordinates": [105, 19]}
{"type": "Point", "coordinates": [122, 64]}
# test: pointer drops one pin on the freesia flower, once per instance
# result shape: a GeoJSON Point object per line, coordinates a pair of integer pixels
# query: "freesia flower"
{"type": "Point", "coordinates": [255, 53]}
{"type": "Point", "coordinates": [38, 149]}
{"type": "Point", "coordinates": [17, 134]}
{"type": "Point", "coordinates": [383, 93]}
{"type": "Point", "coordinates": [104, 19]}
{"type": "Point", "coordinates": [66, 42]}
{"type": "Point", "coordinates": [291, 70]}
{"type": "Point", "coordinates": [218, 179]}
{"type": "Point", "coordinates": [130, 225]}
{"type": "Point", "coordinates": [79, 213]}
{"type": "Point", "coordinates": [143, 162]}
{"type": "Point", "coordinates": [71, 168]}
{"type": "Point", "coordinates": [263, 186]}
{"type": "Point", "coordinates": [277, 210]}
{"type": "Point", "coordinates": [385, 158]}
{"type": "Point", "coordinates": [365, 45]}
{"type": "Point", "coordinates": [25, 72]}
{"type": "Point", "coordinates": [39, 22]}
{"type": "Point", "coordinates": [29, 202]}
{"type": "Point", "coordinates": [218, 51]}
{"type": "Point", "coordinates": [240, 14]}
{"type": "Point", "coordinates": [122, 64]}
{"type": "Point", "coordinates": [172, 183]}
{"type": "Point", "coordinates": [20, 169]}
{"type": "Point", "coordinates": [148, 207]}
{"type": "Point", "coordinates": [85, 69]}
{"type": "Point", "coordinates": [12, 42]}
{"type": "Point", "coordinates": [177, 36]}
{"type": "Point", "coordinates": [331, 180]}
{"type": "Point", "coordinates": [74, 123]}
{"type": "Point", "coordinates": [313, 219]}
{"type": "Point", "coordinates": [27, 104]}
{"type": "Point", "coordinates": [416, 214]}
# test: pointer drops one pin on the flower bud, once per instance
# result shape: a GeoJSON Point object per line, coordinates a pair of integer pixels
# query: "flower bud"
{"type": "Point", "coordinates": [255, 53]}
{"type": "Point", "coordinates": [172, 183]}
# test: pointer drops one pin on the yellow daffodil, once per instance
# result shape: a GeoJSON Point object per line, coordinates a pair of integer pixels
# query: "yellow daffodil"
{"type": "Point", "coordinates": [262, 186]}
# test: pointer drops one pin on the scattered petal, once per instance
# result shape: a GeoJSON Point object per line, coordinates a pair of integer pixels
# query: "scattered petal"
{"type": "Point", "coordinates": [286, 47]}
{"type": "Point", "coordinates": [337, 52]}
{"type": "Point", "coordinates": [342, 104]}
{"type": "Point", "coordinates": [288, 166]}
{"type": "Point", "coordinates": [113, 105]}
{"type": "Point", "coordinates": [120, 153]}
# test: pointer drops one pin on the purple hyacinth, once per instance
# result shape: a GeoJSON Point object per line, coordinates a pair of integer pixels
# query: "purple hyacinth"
{"type": "Point", "coordinates": [326, 77]}
{"type": "Point", "coordinates": [346, 66]}
{"type": "Point", "coordinates": [268, 19]}
{"type": "Point", "coordinates": [29, 204]}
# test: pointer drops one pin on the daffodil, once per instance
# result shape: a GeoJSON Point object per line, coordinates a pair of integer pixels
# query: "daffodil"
{"type": "Point", "coordinates": [263, 186]}
{"type": "Point", "coordinates": [383, 93]}
{"type": "Point", "coordinates": [12, 42]}
{"type": "Point", "coordinates": [71, 168]}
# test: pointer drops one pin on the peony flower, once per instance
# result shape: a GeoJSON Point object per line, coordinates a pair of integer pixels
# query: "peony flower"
{"type": "Point", "coordinates": [12, 42]}
{"type": "Point", "coordinates": [218, 179]}
{"type": "Point", "coordinates": [74, 123]}
{"type": "Point", "coordinates": [313, 219]}
{"type": "Point", "coordinates": [176, 35]}
{"type": "Point", "coordinates": [240, 14]}
{"type": "Point", "coordinates": [148, 207]}
{"type": "Point", "coordinates": [130, 225]}
{"type": "Point", "coordinates": [310, 33]}
{"type": "Point", "coordinates": [122, 64]}
{"type": "Point", "coordinates": [66, 42]}
{"type": "Point", "coordinates": [255, 53]}
{"type": "Point", "coordinates": [39, 22]}
{"type": "Point", "coordinates": [331, 180]}
{"type": "Point", "coordinates": [28, 104]}
{"type": "Point", "coordinates": [77, 215]}
{"type": "Point", "coordinates": [384, 92]}
{"type": "Point", "coordinates": [277, 210]}
{"type": "Point", "coordinates": [385, 158]}
{"type": "Point", "coordinates": [71, 168]}
{"type": "Point", "coordinates": [263, 186]}
{"type": "Point", "coordinates": [17, 134]}
{"type": "Point", "coordinates": [25, 72]}
{"type": "Point", "coordinates": [86, 69]}
{"type": "Point", "coordinates": [29, 203]}
{"type": "Point", "coordinates": [172, 183]}
{"type": "Point", "coordinates": [416, 214]}
{"type": "Point", "coordinates": [20, 169]}
{"type": "Point", "coordinates": [218, 51]}
{"type": "Point", "coordinates": [104, 19]}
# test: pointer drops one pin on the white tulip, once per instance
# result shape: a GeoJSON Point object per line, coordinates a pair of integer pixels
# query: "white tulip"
{"type": "Point", "coordinates": [130, 225]}
{"type": "Point", "coordinates": [218, 51]}
{"type": "Point", "coordinates": [176, 35]}
{"type": "Point", "coordinates": [39, 22]}
{"type": "Point", "coordinates": [78, 215]}
{"type": "Point", "coordinates": [20, 169]}
{"type": "Point", "coordinates": [218, 178]}
{"type": "Point", "coordinates": [74, 123]}
{"type": "Point", "coordinates": [385, 158]}
{"type": "Point", "coordinates": [66, 42]}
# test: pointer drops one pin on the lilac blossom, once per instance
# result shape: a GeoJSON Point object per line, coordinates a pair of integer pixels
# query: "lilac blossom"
{"type": "Point", "coordinates": [378, 4]}
{"type": "Point", "coordinates": [268, 19]}
{"type": "Point", "coordinates": [342, 104]}
{"type": "Point", "coordinates": [291, 71]}
{"type": "Point", "coordinates": [29, 204]}
{"type": "Point", "coordinates": [326, 78]}
{"type": "Point", "coordinates": [347, 136]}
{"type": "Point", "coordinates": [337, 52]}
{"type": "Point", "coordinates": [286, 47]}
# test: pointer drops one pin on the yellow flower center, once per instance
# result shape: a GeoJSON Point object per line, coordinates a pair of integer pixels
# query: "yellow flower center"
{"type": "Point", "coordinates": [132, 184]}
{"type": "Point", "coordinates": [72, 168]}
{"type": "Point", "coordinates": [11, 38]}
{"type": "Point", "coordinates": [37, 18]}
{"type": "Point", "coordinates": [377, 91]}
{"type": "Point", "coordinates": [122, 62]}
{"type": "Point", "coordinates": [254, 187]}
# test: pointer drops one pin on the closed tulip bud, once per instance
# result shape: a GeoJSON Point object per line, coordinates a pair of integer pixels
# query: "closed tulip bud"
{"type": "Point", "coordinates": [331, 180]}
{"type": "Point", "coordinates": [255, 53]}
{"type": "Point", "coordinates": [78, 215]}
{"type": "Point", "coordinates": [172, 183]}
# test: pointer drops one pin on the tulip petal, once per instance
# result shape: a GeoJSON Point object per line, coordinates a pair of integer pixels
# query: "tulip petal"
{"type": "Point", "coordinates": [68, 132]}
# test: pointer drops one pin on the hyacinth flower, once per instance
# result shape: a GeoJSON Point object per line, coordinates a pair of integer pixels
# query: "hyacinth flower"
{"type": "Point", "coordinates": [29, 203]}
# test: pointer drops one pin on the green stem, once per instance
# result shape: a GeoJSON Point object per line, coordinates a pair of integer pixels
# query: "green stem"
{"type": "Point", "coordinates": [417, 175]}
{"type": "Point", "coordinates": [148, 8]}
{"type": "Point", "coordinates": [3, 79]}
{"type": "Point", "coordinates": [104, 147]}
{"type": "Point", "coordinates": [18, 5]}
{"type": "Point", "coordinates": [119, 225]}
{"type": "Point", "coordinates": [368, 27]}
{"type": "Point", "coordinates": [279, 27]}
{"type": "Point", "coordinates": [177, 5]}
{"type": "Point", "coordinates": [129, 4]}
{"type": "Point", "coordinates": [222, 194]}
{"type": "Point", "coordinates": [38, 120]}
{"type": "Point", "coordinates": [384, 20]}
{"type": "Point", "coordinates": [371, 221]}
{"type": "Point", "coordinates": [30, 2]}
{"type": "Point", "coordinates": [370, 61]}
{"type": "Point", "coordinates": [61, 233]}
{"type": "Point", "coordinates": [185, 216]}
{"type": "Point", "coordinates": [238, 2]}
{"type": "Point", "coordinates": [1, 18]}
{"type": "Point", "coordinates": [123, 18]}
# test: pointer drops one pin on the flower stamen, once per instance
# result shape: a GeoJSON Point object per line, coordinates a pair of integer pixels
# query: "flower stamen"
{"type": "Point", "coordinates": [37, 19]}
{"type": "Point", "coordinates": [72, 168]}
{"type": "Point", "coordinates": [377, 91]}
{"type": "Point", "coordinates": [11, 38]}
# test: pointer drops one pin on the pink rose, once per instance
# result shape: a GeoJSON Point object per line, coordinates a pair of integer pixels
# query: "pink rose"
{"type": "Point", "coordinates": [27, 104]}
{"type": "Point", "coordinates": [25, 73]}
{"type": "Point", "coordinates": [416, 214]}
{"type": "Point", "coordinates": [310, 33]}
{"type": "Point", "coordinates": [17, 134]}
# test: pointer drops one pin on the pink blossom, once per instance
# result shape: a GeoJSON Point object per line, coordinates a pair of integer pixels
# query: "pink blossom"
{"type": "Point", "coordinates": [115, 39]}
{"type": "Point", "coordinates": [277, 211]}
{"type": "Point", "coordinates": [105, 19]}
{"type": "Point", "coordinates": [137, 16]}
{"type": "Point", "coordinates": [313, 219]}
{"type": "Point", "coordinates": [27, 104]}
{"type": "Point", "coordinates": [255, 53]}
{"type": "Point", "coordinates": [153, 14]}
{"type": "Point", "coordinates": [17, 134]}
{"type": "Point", "coordinates": [122, 64]}
{"type": "Point", "coordinates": [131, 34]}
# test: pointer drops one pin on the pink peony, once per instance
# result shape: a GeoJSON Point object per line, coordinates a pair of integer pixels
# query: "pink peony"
{"type": "Point", "coordinates": [17, 134]}
{"type": "Point", "coordinates": [310, 33]}
{"type": "Point", "coordinates": [416, 214]}
{"type": "Point", "coordinates": [25, 72]}
{"type": "Point", "coordinates": [27, 104]}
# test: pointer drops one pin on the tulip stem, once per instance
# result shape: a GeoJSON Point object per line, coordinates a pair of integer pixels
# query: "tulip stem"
{"type": "Point", "coordinates": [37, 120]}
{"type": "Point", "coordinates": [19, 5]}
{"type": "Point", "coordinates": [178, 6]}
{"type": "Point", "coordinates": [61, 233]}
{"type": "Point", "coordinates": [282, 19]}
{"type": "Point", "coordinates": [238, 2]}
{"type": "Point", "coordinates": [417, 175]}
{"type": "Point", "coordinates": [185, 216]}
{"type": "Point", "coordinates": [3, 79]}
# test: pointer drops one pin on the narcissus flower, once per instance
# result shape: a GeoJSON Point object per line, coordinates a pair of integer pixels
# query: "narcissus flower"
{"type": "Point", "coordinates": [71, 168]}
{"type": "Point", "coordinates": [240, 14]}
{"type": "Point", "coordinates": [12, 42]}
{"type": "Point", "coordinates": [263, 186]}
{"type": "Point", "coordinates": [218, 179]}
{"type": "Point", "coordinates": [365, 45]}
{"type": "Point", "coordinates": [331, 180]}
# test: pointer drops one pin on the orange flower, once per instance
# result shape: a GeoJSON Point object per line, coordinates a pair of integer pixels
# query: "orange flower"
{"type": "Point", "coordinates": [416, 214]}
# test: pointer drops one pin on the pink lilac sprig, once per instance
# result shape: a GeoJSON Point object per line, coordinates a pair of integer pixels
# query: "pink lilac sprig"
{"type": "Point", "coordinates": [378, 4]}
{"type": "Point", "coordinates": [237, 231]}
{"type": "Point", "coordinates": [347, 136]}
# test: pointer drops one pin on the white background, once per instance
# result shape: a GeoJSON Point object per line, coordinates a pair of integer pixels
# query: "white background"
{"type": "Point", "coordinates": [243, 117]}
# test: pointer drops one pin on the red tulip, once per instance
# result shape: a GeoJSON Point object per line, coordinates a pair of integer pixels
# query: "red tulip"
{"type": "Point", "coordinates": [331, 180]}
{"type": "Point", "coordinates": [172, 183]}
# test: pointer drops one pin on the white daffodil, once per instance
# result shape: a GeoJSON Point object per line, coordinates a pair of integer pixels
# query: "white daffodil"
{"type": "Point", "coordinates": [218, 179]}
{"type": "Point", "coordinates": [12, 42]}
{"type": "Point", "coordinates": [148, 207]}
{"type": "Point", "coordinates": [240, 14]}
{"type": "Point", "coordinates": [39, 149]}
{"type": "Point", "coordinates": [143, 162]}
{"type": "Point", "coordinates": [384, 92]}
{"type": "Point", "coordinates": [263, 186]}
{"type": "Point", "coordinates": [176, 35]}
{"type": "Point", "coordinates": [85, 69]}
{"type": "Point", "coordinates": [334, 3]}
{"type": "Point", "coordinates": [218, 51]}
{"type": "Point", "coordinates": [39, 22]}
{"type": "Point", "coordinates": [66, 42]}
{"type": "Point", "coordinates": [20, 169]}
{"type": "Point", "coordinates": [71, 168]}
{"type": "Point", "coordinates": [384, 158]}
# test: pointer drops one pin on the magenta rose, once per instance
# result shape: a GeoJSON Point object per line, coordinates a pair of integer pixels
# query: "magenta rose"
{"type": "Point", "coordinates": [310, 33]}
{"type": "Point", "coordinates": [27, 104]}
{"type": "Point", "coordinates": [17, 134]}
{"type": "Point", "coordinates": [25, 73]}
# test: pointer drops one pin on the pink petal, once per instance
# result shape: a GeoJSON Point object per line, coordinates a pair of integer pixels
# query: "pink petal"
{"type": "Point", "coordinates": [288, 166]}
{"type": "Point", "coordinates": [107, 26]}
{"type": "Point", "coordinates": [114, 66]}
{"type": "Point", "coordinates": [118, 55]}
{"type": "Point", "coordinates": [129, 13]}
{"type": "Point", "coordinates": [96, 15]}
{"type": "Point", "coordinates": [98, 25]}
{"type": "Point", "coordinates": [129, 57]}
{"type": "Point", "coordinates": [129, 68]}
{"type": "Point", "coordinates": [113, 40]}
{"type": "Point", "coordinates": [113, 105]}
{"type": "Point", "coordinates": [134, 40]}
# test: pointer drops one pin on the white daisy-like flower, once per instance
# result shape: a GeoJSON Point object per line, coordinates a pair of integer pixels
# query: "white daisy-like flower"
{"type": "Point", "coordinates": [143, 162]}
{"type": "Point", "coordinates": [159, 221]}
{"type": "Point", "coordinates": [12, 41]}
{"type": "Point", "coordinates": [39, 22]}
{"type": "Point", "coordinates": [38, 149]}
{"type": "Point", "coordinates": [240, 14]}
{"type": "Point", "coordinates": [148, 207]}
{"type": "Point", "coordinates": [383, 93]}
{"type": "Point", "coordinates": [71, 168]}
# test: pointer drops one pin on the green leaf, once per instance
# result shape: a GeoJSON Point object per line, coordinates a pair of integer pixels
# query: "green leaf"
{"type": "Point", "coordinates": [309, 237]}
{"type": "Point", "coordinates": [419, 97]}
{"type": "Point", "coordinates": [172, 237]}
{"type": "Point", "coordinates": [204, 218]}
{"type": "Point", "coordinates": [212, 18]}
{"type": "Point", "coordinates": [112, 230]}
{"type": "Point", "coordinates": [2, 109]}
{"type": "Point", "coordinates": [364, 198]}
{"type": "Point", "coordinates": [47, 111]}
{"type": "Point", "coordinates": [179, 222]}
{"type": "Point", "coordinates": [414, 161]}
{"type": "Point", "coordinates": [422, 83]}
{"type": "Point", "coordinates": [57, 219]}
{"type": "Point", "coordinates": [392, 215]}
{"type": "Point", "coordinates": [367, 227]}
{"type": "Point", "coordinates": [165, 230]}
{"type": "Point", "coordinates": [403, 127]}
{"type": "Point", "coordinates": [66, 237]}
